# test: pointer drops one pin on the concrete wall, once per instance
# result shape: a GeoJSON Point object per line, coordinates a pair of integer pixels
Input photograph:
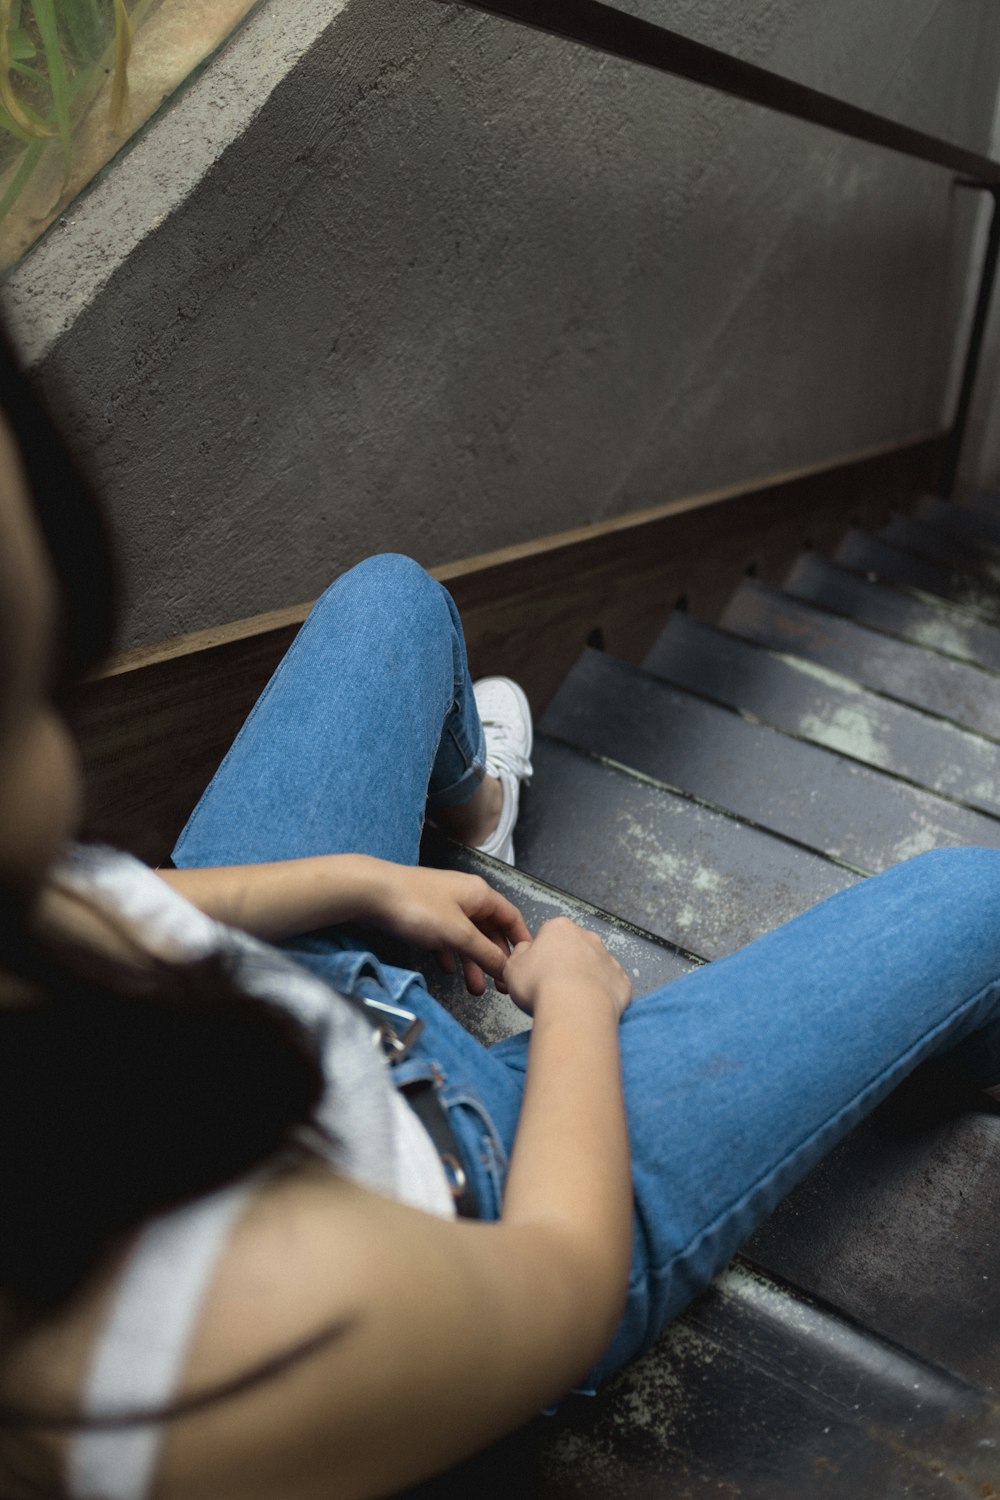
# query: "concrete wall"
{"type": "Point", "coordinates": [451, 284]}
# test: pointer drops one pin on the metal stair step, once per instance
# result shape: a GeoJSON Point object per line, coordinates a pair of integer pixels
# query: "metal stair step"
{"type": "Point", "coordinates": [964, 694]}
{"type": "Point", "coordinates": [878, 561]}
{"type": "Point", "coordinates": [847, 1233]}
{"type": "Point", "coordinates": [984, 500]}
{"type": "Point", "coordinates": [943, 545]}
{"type": "Point", "coordinates": [649, 960]}
{"type": "Point", "coordinates": [826, 708]}
{"type": "Point", "coordinates": [684, 871]}
{"type": "Point", "coordinates": [758, 1381]}
{"type": "Point", "coordinates": [762, 1383]}
{"type": "Point", "coordinates": [817, 581]}
{"type": "Point", "coordinates": [842, 809]}
{"type": "Point", "coordinates": [960, 520]}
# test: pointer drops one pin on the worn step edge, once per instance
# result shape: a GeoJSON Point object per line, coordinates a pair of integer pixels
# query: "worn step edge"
{"type": "Point", "coordinates": [820, 674]}
{"type": "Point", "coordinates": [824, 1326]}
{"type": "Point", "coordinates": [926, 539]}
{"type": "Point", "coordinates": [759, 614]}
{"type": "Point", "coordinates": [497, 1018]}
{"type": "Point", "coordinates": [583, 729]}
{"type": "Point", "coordinates": [662, 785]}
{"type": "Point", "coordinates": [931, 601]}
{"type": "Point", "coordinates": [958, 578]}
{"type": "Point", "coordinates": [793, 657]}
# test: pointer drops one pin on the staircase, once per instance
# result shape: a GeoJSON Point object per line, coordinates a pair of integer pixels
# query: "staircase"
{"type": "Point", "coordinates": [817, 734]}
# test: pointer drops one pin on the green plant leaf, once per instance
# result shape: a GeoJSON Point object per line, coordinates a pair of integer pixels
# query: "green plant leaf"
{"type": "Point", "coordinates": [10, 125]}
{"type": "Point", "coordinates": [85, 25]}
{"type": "Point", "coordinates": [29, 162]}
{"type": "Point", "coordinates": [32, 74]}
{"type": "Point", "coordinates": [45, 17]}
{"type": "Point", "coordinates": [21, 45]}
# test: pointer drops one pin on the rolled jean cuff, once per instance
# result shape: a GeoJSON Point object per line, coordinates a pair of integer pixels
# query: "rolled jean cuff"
{"type": "Point", "coordinates": [459, 758]}
{"type": "Point", "coordinates": [460, 791]}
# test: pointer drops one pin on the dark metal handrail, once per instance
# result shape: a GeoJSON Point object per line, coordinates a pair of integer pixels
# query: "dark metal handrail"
{"type": "Point", "coordinates": [612, 32]}
{"type": "Point", "coordinates": [616, 34]}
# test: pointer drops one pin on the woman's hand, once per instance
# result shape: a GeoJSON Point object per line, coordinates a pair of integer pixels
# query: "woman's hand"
{"type": "Point", "coordinates": [448, 912]}
{"type": "Point", "coordinates": [565, 959]}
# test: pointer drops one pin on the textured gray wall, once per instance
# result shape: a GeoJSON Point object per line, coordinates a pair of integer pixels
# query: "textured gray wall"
{"type": "Point", "coordinates": [458, 285]}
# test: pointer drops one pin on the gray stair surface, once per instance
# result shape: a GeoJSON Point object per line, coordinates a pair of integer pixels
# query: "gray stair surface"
{"type": "Point", "coordinates": [774, 781]}
{"type": "Point", "coordinates": [759, 1393]}
{"type": "Point", "coordinates": [825, 708]}
{"type": "Point", "coordinates": [933, 624]}
{"type": "Point", "coordinates": [848, 1233]}
{"type": "Point", "coordinates": [943, 544]}
{"type": "Point", "coordinates": [877, 560]}
{"type": "Point", "coordinates": [985, 500]}
{"type": "Point", "coordinates": [688, 873]}
{"type": "Point", "coordinates": [960, 520]}
{"type": "Point", "coordinates": [954, 690]}
{"type": "Point", "coordinates": [680, 809]}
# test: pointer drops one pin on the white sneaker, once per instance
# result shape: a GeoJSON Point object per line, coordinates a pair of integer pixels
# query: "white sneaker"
{"type": "Point", "coordinates": [506, 720]}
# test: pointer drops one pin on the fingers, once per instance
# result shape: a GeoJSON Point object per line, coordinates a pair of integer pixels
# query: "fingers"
{"type": "Point", "coordinates": [475, 979]}
{"type": "Point", "coordinates": [485, 954]}
{"type": "Point", "coordinates": [490, 910]}
{"type": "Point", "coordinates": [462, 919]}
{"type": "Point", "coordinates": [571, 954]}
{"type": "Point", "coordinates": [511, 923]}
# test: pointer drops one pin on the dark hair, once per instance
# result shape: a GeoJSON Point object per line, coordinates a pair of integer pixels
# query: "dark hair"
{"type": "Point", "coordinates": [125, 1091]}
{"type": "Point", "coordinates": [125, 1088]}
{"type": "Point", "coordinates": [71, 522]}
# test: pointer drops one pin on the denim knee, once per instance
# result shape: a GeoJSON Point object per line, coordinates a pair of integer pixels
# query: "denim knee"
{"type": "Point", "coordinates": [393, 571]}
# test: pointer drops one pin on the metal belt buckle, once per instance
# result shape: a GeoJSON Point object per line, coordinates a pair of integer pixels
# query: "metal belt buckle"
{"type": "Point", "coordinates": [455, 1173]}
{"type": "Point", "coordinates": [396, 1029]}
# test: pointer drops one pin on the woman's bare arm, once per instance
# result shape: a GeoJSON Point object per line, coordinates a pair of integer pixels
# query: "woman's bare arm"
{"type": "Point", "coordinates": [281, 898]}
{"type": "Point", "coordinates": [457, 1332]}
{"type": "Point", "coordinates": [441, 910]}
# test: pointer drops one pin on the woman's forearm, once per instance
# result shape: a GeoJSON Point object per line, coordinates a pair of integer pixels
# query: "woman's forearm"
{"type": "Point", "coordinates": [570, 1166]}
{"type": "Point", "coordinates": [283, 898]}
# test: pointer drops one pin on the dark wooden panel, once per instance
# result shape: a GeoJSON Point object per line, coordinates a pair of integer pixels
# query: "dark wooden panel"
{"type": "Point", "coordinates": [154, 729]}
{"type": "Point", "coordinates": [153, 737]}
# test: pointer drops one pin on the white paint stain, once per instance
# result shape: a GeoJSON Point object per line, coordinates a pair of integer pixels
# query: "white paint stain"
{"type": "Point", "coordinates": [850, 730]}
{"type": "Point", "coordinates": [945, 636]}
{"type": "Point", "coordinates": [918, 842]}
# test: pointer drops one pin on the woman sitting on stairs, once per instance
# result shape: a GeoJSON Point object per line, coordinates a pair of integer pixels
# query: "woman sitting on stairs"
{"type": "Point", "coordinates": [244, 1255]}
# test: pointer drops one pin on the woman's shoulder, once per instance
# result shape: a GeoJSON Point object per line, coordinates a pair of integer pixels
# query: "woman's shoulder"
{"type": "Point", "coordinates": [88, 1357]}
{"type": "Point", "coordinates": [296, 1313]}
{"type": "Point", "coordinates": [348, 1345]}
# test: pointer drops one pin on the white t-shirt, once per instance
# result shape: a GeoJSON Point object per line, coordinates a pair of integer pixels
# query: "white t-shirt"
{"type": "Point", "coordinates": [380, 1143]}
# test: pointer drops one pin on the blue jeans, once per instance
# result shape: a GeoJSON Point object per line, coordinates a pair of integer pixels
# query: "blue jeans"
{"type": "Point", "coordinates": [738, 1076]}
